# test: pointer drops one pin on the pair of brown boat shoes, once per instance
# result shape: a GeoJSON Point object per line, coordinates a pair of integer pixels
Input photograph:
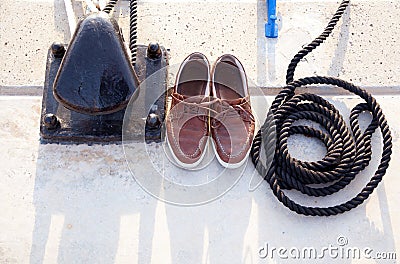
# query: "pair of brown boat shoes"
{"type": "Point", "coordinates": [210, 103]}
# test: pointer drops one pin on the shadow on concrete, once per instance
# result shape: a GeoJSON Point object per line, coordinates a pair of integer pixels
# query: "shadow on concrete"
{"type": "Point", "coordinates": [87, 206]}
{"type": "Point", "coordinates": [211, 233]}
{"type": "Point", "coordinates": [61, 21]}
{"type": "Point", "coordinates": [343, 40]}
{"type": "Point", "coordinates": [89, 209]}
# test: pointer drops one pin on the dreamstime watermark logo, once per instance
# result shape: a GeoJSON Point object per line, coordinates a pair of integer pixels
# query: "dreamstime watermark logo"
{"type": "Point", "coordinates": [155, 169]}
{"type": "Point", "coordinates": [339, 250]}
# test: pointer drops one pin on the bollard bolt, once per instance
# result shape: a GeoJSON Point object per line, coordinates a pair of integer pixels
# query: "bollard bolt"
{"type": "Point", "coordinates": [50, 121]}
{"type": "Point", "coordinates": [153, 121]}
{"type": "Point", "coordinates": [154, 51]}
{"type": "Point", "coordinates": [58, 49]}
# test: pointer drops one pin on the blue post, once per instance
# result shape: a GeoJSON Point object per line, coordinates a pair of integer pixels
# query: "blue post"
{"type": "Point", "coordinates": [271, 28]}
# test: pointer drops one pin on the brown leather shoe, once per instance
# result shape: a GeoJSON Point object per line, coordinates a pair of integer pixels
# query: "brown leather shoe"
{"type": "Point", "coordinates": [232, 127]}
{"type": "Point", "coordinates": [187, 122]}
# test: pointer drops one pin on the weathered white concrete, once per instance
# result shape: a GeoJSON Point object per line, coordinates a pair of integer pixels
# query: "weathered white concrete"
{"type": "Point", "coordinates": [81, 204]}
{"type": "Point", "coordinates": [361, 49]}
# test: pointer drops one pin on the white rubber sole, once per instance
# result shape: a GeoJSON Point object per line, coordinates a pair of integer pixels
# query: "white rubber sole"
{"type": "Point", "coordinates": [187, 165]}
{"type": "Point", "coordinates": [230, 165]}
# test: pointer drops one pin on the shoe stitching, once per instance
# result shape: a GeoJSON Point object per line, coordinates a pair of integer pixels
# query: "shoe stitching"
{"type": "Point", "coordinates": [249, 115]}
{"type": "Point", "coordinates": [176, 143]}
{"type": "Point", "coordinates": [191, 106]}
{"type": "Point", "coordinates": [230, 155]}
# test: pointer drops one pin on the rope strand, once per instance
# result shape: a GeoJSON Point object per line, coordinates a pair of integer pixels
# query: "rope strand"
{"type": "Point", "coordinates": [133, 30]}
{"type": "Point", "coordinates": [110, 6]}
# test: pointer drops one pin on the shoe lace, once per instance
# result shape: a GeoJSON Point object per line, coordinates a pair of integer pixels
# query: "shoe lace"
{"type": "Point", "coordinates": [231, 111]}
{"type": "Point", "coordinates": [198, 109]}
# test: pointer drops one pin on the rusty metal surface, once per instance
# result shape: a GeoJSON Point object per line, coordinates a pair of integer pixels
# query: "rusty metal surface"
{"type": "Point", "coordinates": [74, 127]}
{"type": "Point", "coordinates": [96, 75]}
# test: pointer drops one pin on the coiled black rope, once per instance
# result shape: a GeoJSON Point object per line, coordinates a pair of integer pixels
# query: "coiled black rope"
{"type": "Point", "coordinates": [348, 150]}
{"type": "Point", "coordinates": [133, 30]}
{"type": "Point", "coordinates": [110, 6]}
